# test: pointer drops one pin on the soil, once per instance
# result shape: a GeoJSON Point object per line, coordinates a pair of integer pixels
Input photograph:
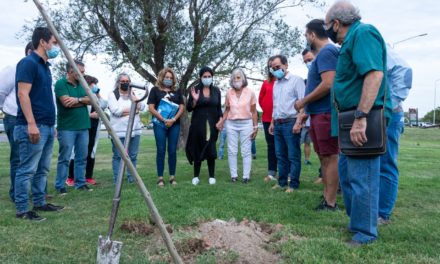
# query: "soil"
{"type": "Point", "coordinates": [230, 241]}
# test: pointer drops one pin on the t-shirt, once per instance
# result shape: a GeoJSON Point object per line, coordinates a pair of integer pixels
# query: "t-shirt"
{"type": "Point", "coordinates": [266, 100]}
{"type": "Point", "coordinates": [34, 70]}
{"type": "Point", "coordinates": [75, 118]}
{"type": "Point", "coordinates": [362, 51]}
{"type": "Point", "coordinates": [325, 60]}
{"type": "Point", "coordinates": [240, 107]}
{"type": "Point", "coordinates": [157, 94]}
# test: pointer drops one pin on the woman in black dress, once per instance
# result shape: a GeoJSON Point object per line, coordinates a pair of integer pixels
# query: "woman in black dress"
{"type": "Point", "coordinates": [205, 104]}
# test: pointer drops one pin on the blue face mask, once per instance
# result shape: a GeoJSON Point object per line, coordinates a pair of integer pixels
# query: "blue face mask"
{"type": "Point", "coordinates": [167, 82]}
{"type": "Point", "coordinates": [309, 65]}
{"type": "Point", "coordinates": [207, 81]}
{"type": "Point", "coordinates": [278, 73]}
{"type": "Point", "coordinates": [53, 52]}
{"type": "Point", "coordinates": [95, 89]}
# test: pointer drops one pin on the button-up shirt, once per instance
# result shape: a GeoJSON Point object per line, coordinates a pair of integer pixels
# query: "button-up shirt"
{"type": "Point", "coordinates": [285, 93]}
{"type": "Point", "coordinates": [8, 101]}
{"type": "Point", "coordinates": [399, 78]}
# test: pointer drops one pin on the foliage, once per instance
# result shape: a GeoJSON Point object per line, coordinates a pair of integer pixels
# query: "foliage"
{"type": "Point", "coordinates": [430, 115]}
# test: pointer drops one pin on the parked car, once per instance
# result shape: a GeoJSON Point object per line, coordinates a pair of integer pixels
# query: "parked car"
{"type": "Point", "coordinates": [2, 126]}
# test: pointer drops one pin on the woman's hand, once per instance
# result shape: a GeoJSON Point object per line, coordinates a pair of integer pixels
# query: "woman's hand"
{"type": "Point", "coordinates": [169, 122]}
{"type": "Point", "coordinates": [195, 94]}
{"type": "Point", "coordinates": [254, 133]}
{"type": "Point", "coordinates": [219, 125]}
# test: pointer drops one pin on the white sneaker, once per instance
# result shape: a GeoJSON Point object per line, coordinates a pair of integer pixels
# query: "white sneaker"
{"type": "Point", "coordinates": [195, 180]}
{"type": "Point", "coordinates": [212, 181]}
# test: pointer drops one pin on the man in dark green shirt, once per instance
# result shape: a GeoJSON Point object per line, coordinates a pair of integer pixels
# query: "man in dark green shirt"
{"type": "Point", "coordinates": [360, 83]}
{"type": "Point", "coordinates": [73, 124]}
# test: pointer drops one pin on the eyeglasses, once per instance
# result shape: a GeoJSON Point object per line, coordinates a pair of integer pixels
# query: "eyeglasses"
{"type": "Point", "coordinates": [329, 25]}
{"type": "Point", "coordinates": [274, 68]}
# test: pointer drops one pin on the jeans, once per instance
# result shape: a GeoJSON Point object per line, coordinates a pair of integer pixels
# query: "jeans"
{"type": "Point", "coordinates": [271, 155]}
{"type": "Point", "coordinates": [253, 148]}
{"type": "Point", "coordinates": [221, 144]}
{"type": "Point", "coordinates": [34, 166]}
{"type": "Point", "coordinates": [68, 140]}
{"type": "Point", "coordinates": [161, 134]}
{"type": "Point", "coordinates": [359, 178]}
{"type": "Point", "coordinates": [133, 150]}
{"type": "Point", "coordinates": [239, 130]}
{"type": "Point", "coordinates": [389, 173]}
{"type": "Point", "coordinates": [14, 158]}
{"type": "Point", "coordinates": [288, 153]}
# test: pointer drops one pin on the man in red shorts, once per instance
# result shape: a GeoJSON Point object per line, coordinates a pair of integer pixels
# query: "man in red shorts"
{"type": "Point", "coordinates": [317, 103]}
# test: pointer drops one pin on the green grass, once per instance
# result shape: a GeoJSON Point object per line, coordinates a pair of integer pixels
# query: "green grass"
{"type": "Point", "coordinates": [71, 235]}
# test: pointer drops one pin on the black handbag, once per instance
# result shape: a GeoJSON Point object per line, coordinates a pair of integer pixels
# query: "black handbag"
{"type": "Point", "coordinates": [375, 132]}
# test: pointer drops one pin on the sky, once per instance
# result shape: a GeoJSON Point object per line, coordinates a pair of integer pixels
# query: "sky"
{"type": "Point", "coordinates": [396, 20]}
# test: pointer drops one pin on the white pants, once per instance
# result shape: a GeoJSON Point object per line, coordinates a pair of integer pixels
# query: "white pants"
{"type": "Point", "coordinates": [235, 130]}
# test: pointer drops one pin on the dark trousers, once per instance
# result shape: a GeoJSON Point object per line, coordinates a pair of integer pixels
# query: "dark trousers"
{"type": "Point", "coordinates": [211, 168]}
{"type": "Point", "coordinates": [271, 155]}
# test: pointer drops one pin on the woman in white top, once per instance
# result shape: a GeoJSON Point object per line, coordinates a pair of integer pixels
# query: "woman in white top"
{"type": "Point", "coordinates": [241, 120]}
{"type": "Point", "coordinates": [119, 103]}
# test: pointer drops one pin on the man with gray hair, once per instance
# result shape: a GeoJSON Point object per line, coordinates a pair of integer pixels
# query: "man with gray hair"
{"type": "Point", "coordinates": [73, 128]}
{"type": "Point", "coordinates": [361, 84]}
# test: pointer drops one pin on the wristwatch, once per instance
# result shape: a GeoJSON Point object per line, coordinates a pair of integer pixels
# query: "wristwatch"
{"type": "Point", "coordinates": [359, 114]}
{"type": "Point", "coordinates": [79, 99]}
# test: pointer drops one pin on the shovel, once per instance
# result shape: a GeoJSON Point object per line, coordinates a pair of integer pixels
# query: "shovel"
{"type": "Point", "coordinates": [109, 252]}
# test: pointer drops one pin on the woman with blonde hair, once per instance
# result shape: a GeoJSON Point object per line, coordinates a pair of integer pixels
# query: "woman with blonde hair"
{"type": "Point", "coordinates": [241, 120]}
{"type": "Point", "coordinates": [166, 104]}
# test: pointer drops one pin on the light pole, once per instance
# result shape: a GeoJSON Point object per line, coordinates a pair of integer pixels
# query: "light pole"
{"type": "Point", "coordinates": [435, 95]}
{"type": "Point", "coordinates": [416, 36]}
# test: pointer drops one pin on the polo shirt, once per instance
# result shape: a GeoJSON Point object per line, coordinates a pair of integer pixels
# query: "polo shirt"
{"type": "Point", "coordinates": [75, 118]}
{"type": "Point", "coordinates": [34, 70]}
{"type": "Point", "coordinates": [363, 50]}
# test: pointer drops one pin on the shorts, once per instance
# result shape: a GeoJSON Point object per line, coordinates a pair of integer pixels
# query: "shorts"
{"type": "Point", "coordinates": [305, 136]}
{"type": "Point", "coordinates": [320, 132]}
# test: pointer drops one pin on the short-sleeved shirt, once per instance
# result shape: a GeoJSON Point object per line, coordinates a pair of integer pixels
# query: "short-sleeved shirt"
{"type": "Point", "coordinates": [74, 118]}
{"type": "Point", "coordinates": [157, 94]}
{"type": "Point", "coordinates": [240, 107]}
{"type": "Point", "coordinates": [324, 61]}
{"type": "Point", "coordinates": [34, 70]}
{"type": "Point", "coordinates": [362, 51]}
{"type": "Point", "coordinates": [286, 92]}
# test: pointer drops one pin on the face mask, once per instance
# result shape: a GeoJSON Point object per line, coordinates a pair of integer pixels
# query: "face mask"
{"type": "Point", "coordinates": [309, 65]}
{"type": "Point", "coordinates": [95, 89]}
{"type": "Point", "coordinates": [278, 73]}
{"type": "Point", "coordinates": [207, 81]}
{"type": "Point", "coordinates": [53, 52]}
{"type": "Point", "coordinates": [124, 86]}
{"type": "Point", "coordinates": [237, 85]}
{"type": "Point", "coordinates": [167, 82]}
{"type": "Point", "coordinates": [332, 34]}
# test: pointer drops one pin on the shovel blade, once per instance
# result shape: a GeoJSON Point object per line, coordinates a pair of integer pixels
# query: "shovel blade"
{"type": "Point", "coordinates": [109, 251]}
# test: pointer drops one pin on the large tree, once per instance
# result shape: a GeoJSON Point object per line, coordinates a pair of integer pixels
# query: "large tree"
{"type": "Point", "coordinates": [181, 34]}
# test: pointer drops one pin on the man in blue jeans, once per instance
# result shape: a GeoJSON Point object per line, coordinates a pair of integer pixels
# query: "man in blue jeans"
{"type": "Point", "coordinates": [34, 130]}
{"type": "Point", "coordinates": [360, 84]}
{"type": "Point", "coordinates": [285, 125]}
{"type": "Point", "coordinates": [73, 129]}
{"type": "Point", "coordinates": [400, 82]}
{"type": "Point", "coordinates": [8, 105]}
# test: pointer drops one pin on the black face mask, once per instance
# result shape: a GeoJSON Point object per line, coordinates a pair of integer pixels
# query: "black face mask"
{"type": "Point", "coordinates": [332, 34]}
{"type": "Point", "coordinates": [124, 86]}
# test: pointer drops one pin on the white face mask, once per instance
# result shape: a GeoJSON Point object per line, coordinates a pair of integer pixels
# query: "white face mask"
{"type": "Point", "coordinates": [237, 84]}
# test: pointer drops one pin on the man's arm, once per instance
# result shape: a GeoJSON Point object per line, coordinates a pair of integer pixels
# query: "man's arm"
{"type": "Point", "coordinates": [320, 91]}
{"type": "Point", "coordinates": [370, 89]}
{"type": "Point", "coordinates": [25, 102]}
{"type": "Point", "coordinates": [72, 102]}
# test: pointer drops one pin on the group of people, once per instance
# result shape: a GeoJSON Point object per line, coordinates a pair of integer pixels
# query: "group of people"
{"type": "Point", "coordinates": [359, 75]}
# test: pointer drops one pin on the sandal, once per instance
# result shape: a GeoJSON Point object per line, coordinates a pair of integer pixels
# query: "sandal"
{"type": "Point", "coordinates": [160, 183]}
{"type": "Point", "coordinates": [173, 181]}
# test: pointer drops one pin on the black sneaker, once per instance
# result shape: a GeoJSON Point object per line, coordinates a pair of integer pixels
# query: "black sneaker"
{"type": "Point", "coordinates": [234, 179]}
{"type": "Point", "coordinates": [85, 188]}
{"type": "Point", "coordinates": [323, 206]}
{"type": "Point", "coordinates": [62, 191]}
{"type": "Point", "coordinates": [48, 208]}
{"type": "Point", "coordinates": [30, 215]}
{"type": "Point", "coordinates": [245, 181]}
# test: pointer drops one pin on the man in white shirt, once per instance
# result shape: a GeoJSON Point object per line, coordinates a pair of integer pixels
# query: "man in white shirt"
{"type": "Point", "coordinates": [8, 105]}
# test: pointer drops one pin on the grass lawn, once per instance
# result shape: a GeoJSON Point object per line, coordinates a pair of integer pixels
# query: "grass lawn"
{"type": "Point", "coordinates": [71, 236]}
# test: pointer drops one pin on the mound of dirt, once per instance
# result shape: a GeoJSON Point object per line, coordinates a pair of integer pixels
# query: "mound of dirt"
{"type": "Point", "coordinates": [246, 238]}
